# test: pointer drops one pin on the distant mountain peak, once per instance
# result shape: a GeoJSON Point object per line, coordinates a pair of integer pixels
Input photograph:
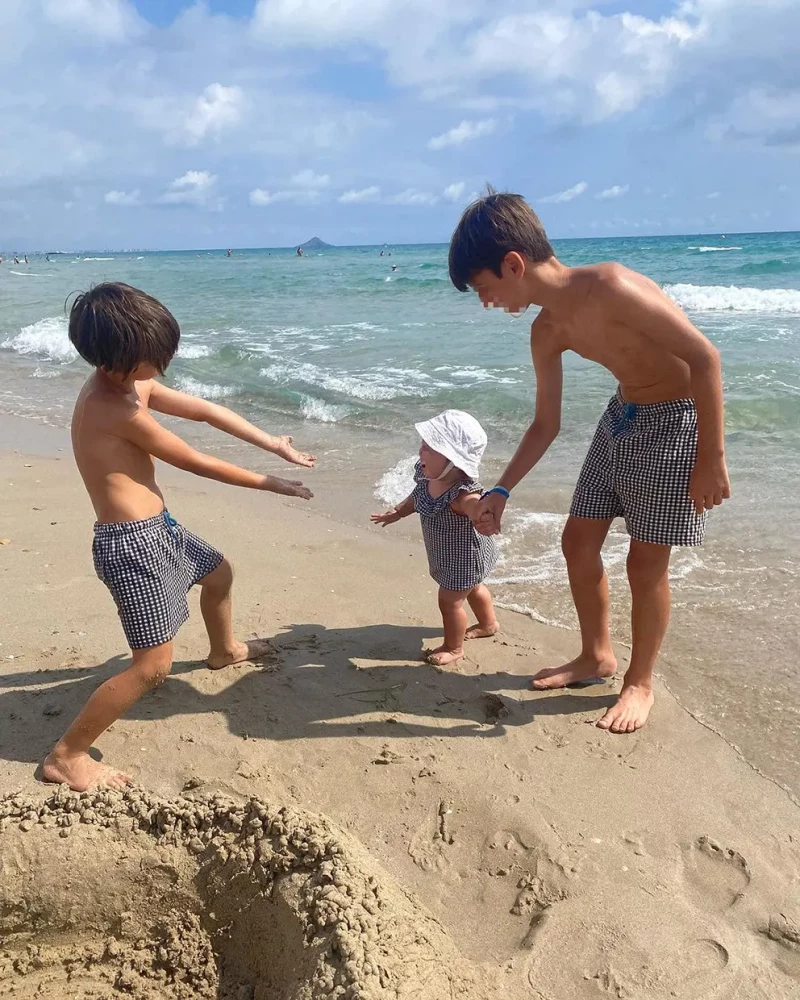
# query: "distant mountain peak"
{"type": "Point", "coordinates": [315, 243]}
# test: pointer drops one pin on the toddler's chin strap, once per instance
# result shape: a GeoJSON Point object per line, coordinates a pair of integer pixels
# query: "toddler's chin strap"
{"type": "Point", "coordinates": [445, 472]}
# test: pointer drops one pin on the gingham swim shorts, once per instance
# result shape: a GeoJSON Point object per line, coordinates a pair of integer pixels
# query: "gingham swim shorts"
{"type": "Point", "coordinates": [149, 566]}
{"type": "Point", "coordinates": [638, 467]}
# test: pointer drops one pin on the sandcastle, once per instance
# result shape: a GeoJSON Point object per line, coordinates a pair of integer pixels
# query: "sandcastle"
{"type": "Point", "coordinates": [109, 894]}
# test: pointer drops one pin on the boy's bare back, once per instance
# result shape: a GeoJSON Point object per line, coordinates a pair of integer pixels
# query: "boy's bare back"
{"type": "Point", "coordinates": [118, 474]}
{"type": "Point", "coordinates": [603, 316]}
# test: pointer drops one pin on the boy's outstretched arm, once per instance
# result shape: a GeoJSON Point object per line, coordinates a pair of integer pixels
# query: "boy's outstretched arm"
{"type": "Point", "coordinates": [642, 305]}
{"type": "Point", "coordinates": [546, 355]}
{"type": "Point", "coordinates": [143, 430]}
{"type": "Point", "coordinates": [181, 404]}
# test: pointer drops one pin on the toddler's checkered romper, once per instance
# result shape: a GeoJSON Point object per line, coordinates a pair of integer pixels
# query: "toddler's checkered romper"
{"type": "Point", "coordinates": [459, 557]}
{"type": "Point", "coordinates": [149, 566]}
{"type": "Point", "coordinates": [639, 467]}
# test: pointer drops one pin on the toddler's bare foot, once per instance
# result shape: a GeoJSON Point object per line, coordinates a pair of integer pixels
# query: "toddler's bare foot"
{"type": "Point", "coordinates": [580, 670]}
{"type": "Point", "coordinates": [441, 656]}
{"type": "Point", "coordinates": [82, 773]}
{"type": "Point", "coordinates": [254, 649]}
{"type": "Point", "coordinates": [629, 712]}
{"type": "Point", "coordinates": [482, 631]}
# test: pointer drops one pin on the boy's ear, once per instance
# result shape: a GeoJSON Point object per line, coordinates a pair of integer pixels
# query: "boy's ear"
{"type": "Point", "coordinates": [513, 265]}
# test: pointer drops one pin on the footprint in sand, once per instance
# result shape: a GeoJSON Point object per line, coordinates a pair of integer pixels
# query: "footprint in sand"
{"type": "Point", "coordinates": [430, 845]}
{"type": "Point", "coordinates": [718, 876]}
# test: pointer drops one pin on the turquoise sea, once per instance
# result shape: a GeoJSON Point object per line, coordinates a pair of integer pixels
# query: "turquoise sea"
{"type": "Point", "coordinates": [347, 354]}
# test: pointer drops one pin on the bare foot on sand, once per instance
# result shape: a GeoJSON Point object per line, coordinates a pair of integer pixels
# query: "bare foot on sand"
{"type": "Point", "coordinates": [441, 656]}
{"type": "Point", "coordinates": [81, 773]}
{"type": "Point", "coordinates": [481, 632]}
{"type": "Point", "coordinates": [629, 712]}
{"type": "Point", "coordinates": [254, 649]}
{"type": "Point", "coordinates": [582, 668]}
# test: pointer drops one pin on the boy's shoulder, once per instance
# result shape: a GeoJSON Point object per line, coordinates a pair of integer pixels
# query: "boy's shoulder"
{"type": "Point", "coordinates": [99, 403]}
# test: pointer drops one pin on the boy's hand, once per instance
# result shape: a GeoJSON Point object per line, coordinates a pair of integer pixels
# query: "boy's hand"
{"type": "Point", "coordinates": [709, 484]}
{"type": "Point", "coordinates": [290, 454]}
{"type": "Point", "coordinates": [490, 513]}
{"type": "Point", "coordinates": [388, 517]}
{"type": "Point", "coordinates": [290, 488]}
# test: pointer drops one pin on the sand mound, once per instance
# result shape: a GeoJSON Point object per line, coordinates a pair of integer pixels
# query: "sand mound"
{"type": "Point", "coordinates": [106, 894]}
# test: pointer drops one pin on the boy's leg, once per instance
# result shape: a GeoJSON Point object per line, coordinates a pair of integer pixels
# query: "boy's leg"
{"type": "Point", "coordinates": [582, 544]}
{"type": "Point", "coordinates": [480, 600]}
{"type": "Point", "coordinates": [215, 604]}
{"type": "Point", "coordinates": [648, 574]}
{"type": "Point", "coordinates": [70, 761]}
{"type": "Point", "coordinates": [454, 618]}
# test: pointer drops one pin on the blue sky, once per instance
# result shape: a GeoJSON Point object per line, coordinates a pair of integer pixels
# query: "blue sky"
{"type": "Point", "coordinates": [164, 123]}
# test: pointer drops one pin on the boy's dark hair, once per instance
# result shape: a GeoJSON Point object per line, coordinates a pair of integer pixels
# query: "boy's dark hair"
{"type": "Point", "coordinates": [490, 228]}
{"type": "Point", "coordinates": [118, 327]}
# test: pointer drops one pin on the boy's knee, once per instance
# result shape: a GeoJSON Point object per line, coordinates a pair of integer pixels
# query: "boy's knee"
{"type": "Point", "coordinates": [153, 666]}
{"type": "Point", "coordinates": [647, 563]}
{"type": "Point", "coordinates": [449, 599]}
{"type": "Point", "coordinates": [220, 579]}
{"type": "Point", "coordinates": [576, 544]}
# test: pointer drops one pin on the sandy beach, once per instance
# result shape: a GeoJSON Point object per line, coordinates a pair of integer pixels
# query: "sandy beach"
{"type": "Point", "coordinates": [532, 854]}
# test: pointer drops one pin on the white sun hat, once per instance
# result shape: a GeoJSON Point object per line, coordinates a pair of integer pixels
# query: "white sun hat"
{"type": "Point", "coordinates": [458, 436]}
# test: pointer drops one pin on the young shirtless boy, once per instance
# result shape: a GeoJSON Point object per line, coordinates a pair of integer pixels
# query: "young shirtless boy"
{"type": "Point", "coordinates": [146, 559]}
{"type": "Point", "coordinates": [658, 457]}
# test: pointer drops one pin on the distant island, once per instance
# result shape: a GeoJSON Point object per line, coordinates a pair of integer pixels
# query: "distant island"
{"type": "Point", "coordinates": [315, 243]}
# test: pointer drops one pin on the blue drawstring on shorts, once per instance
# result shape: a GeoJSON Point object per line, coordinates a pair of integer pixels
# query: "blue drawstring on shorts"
{"type": "Point", "coordinates": [627, 417]}
{"type": "Point", "coordinates": [170, 522]}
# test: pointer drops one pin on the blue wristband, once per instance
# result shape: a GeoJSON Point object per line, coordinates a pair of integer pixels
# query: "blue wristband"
{"type": "Point", "coordinates": [499, 489]}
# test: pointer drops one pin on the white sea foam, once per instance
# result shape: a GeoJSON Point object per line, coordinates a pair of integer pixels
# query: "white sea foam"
{"type": "Point", "coordinates": [714, 249]}
{"type": "Point", "coordinates": [371, 384]}
{"type": "Point", "coordinates": [44, 373]}
{"type": "Point", "coordinates": [31, 274]}
{"type": "Point", "coordinates": [192, 351]}
{"type": "Point", "coordinates": [46, 338]}
{"type": "Point", "coordinates": [730, 298]}
{"type": "Point", "coordinates": [397, 483]}
{"type": "Point", "coordinates": [321, 411]}
{"type": "Point", "coordinates": [204, 389]}
{"type": "Point", "coordinates": [98, 258]}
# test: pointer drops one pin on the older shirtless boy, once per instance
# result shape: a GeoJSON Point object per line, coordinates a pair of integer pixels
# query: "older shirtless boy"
{"type": "Point", "coordinates": [146, 559]}
{"type": "Point", "coordinates": [658, 457]}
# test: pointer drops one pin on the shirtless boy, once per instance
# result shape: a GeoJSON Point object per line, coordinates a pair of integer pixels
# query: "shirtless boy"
{"type": "Point", "coordinates": [146, 559]}
{"type": "Point", "coordinates": [658, 457]}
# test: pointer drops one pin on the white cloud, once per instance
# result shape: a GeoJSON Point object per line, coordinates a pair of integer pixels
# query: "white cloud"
{"type": "Point", "coordinates": [617, 191]}
{"type": "Point", "coordinates": [261, 197]}
{"type": "Point", "coordinates": [413, 197]}
{"type": "Point", "coordinates": [713, 195]}
{"type": "Point", "coordinates": [218, 108]}
{"type": "Point", "coordinates": [454, 192]}
{"type": "Point", "coordinates": [462, 133]}
{"type": "Point", "coordinates": [308, 179]}
{"type": "Point", "coordinates": [195, 187]}
{"type": "Point", "coordinates": [125, 199]}
{"type": "Point", "coordinates": [104, 20]}
{"type": "Point", "coordinates": [364, 194]}
{"type": "Point", "coordinates": [569, 195]}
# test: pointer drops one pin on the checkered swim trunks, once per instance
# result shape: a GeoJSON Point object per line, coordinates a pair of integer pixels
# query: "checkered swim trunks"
{"type": "Point", "coordinates": [638, 467]}
{"type": "Point", "coordinates": [149, 566]}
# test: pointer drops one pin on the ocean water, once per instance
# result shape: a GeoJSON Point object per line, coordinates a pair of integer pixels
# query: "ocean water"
{"type": "Point", "coordinates": [347, 354]}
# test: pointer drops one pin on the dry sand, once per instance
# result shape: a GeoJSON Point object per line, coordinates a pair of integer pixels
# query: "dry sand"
{"type": "Point", "coordinates": [516, 850]}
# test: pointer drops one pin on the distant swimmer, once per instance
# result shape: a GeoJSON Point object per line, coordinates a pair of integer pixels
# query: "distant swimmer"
{"type": "Point", "coordinates": [299, 251]}
{"type": "Point", "coordinates": [26, 258]}
{"type": "Point", "coordinates": [382, 254]}
{"type": "Point", "coordinates": [230, 253]}
{"type": "Point", "coordinates": [394, 267]}
{"type": "Point", "coordinates": [16, 259]}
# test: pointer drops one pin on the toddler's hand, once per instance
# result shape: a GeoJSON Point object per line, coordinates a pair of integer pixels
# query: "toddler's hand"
{"type": "Point", "coordinates": [388, 517]}
{"type": "Point", "coordinates": [291, 454]}
{"type": "Point", "coordinates": [291, 488]}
